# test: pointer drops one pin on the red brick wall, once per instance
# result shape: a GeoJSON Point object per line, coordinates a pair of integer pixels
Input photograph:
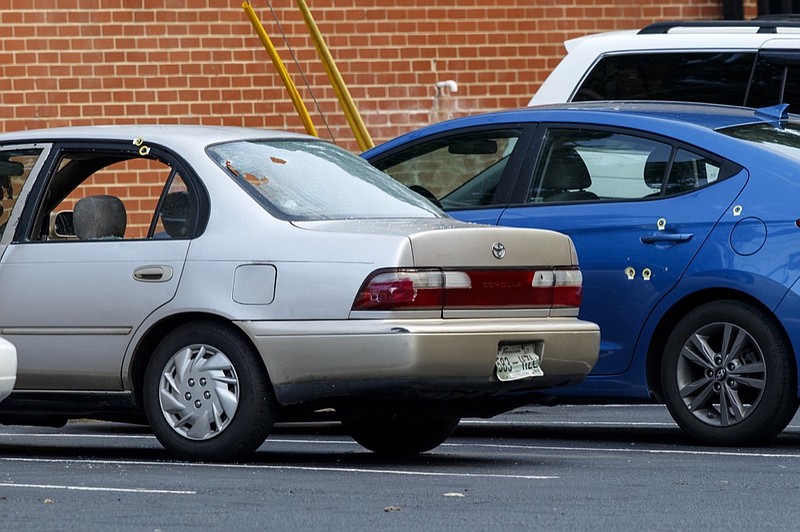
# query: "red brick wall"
{"type": "Point", "coordinates": [70, 62]}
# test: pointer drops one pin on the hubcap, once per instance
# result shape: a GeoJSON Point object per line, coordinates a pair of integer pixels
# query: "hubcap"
{"type": "Point", "coordinates": [199, 392]}
{"type": "Point", "coordinates": [721, 374]}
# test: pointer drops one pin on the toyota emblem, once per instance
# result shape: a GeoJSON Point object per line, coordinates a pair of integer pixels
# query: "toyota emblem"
{"type": "Point", "coordinates": [498, 250]}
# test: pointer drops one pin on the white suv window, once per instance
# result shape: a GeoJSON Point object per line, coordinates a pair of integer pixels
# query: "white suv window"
{"type": "Point", "coordinates": [714, 77]}
{"type": "Point", "coordinates": [731, 78]}
{"type": "Point", "coordinates": [752, 63]}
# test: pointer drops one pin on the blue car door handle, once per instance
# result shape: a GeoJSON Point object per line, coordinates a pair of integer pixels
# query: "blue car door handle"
{"type": "Point", "coordinates": [674, 238]}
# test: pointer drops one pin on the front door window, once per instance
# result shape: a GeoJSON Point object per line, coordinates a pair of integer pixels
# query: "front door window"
{"type": "Point", "coordinates": [457, 172]}
{"type": "Point", "coordinates": [16, 166]}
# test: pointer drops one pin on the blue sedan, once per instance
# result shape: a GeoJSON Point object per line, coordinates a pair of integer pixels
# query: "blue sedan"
{"type": "Point", "coordinates": [686, 219]}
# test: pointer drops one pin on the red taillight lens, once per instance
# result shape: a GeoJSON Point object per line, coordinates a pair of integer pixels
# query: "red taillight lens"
{"type": "Point", "coordinates": [497, 288]}
{"type": "Point", "coordinates": [567, 288]}
{"type": "Point", "coordinates": [516, 289]}
{"type": "Point", "coordinates": [402, 289]}
{"type": "Point", "coordinates": [470, 289]}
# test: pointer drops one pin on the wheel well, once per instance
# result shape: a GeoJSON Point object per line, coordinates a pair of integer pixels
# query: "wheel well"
{"type": "Point", "coordinates": [678, 311]}
{"type": "Point", "coordinates": [157, 332]}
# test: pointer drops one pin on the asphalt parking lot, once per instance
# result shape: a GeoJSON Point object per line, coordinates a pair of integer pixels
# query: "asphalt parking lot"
{"type": "Point", "coordinates": [556, 468]}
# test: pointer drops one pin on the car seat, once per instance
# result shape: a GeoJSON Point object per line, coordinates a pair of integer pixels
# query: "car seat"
{"type": "Point", "coordinates": [566, 177]}
{"type": "Point", "coordinates": [682, 174]}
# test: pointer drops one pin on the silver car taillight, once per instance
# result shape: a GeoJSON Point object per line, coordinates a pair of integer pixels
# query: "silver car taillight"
{"type": "Point", "coordinates": [428, 289]}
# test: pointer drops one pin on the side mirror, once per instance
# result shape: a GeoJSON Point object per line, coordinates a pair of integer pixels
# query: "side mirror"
{"type": "Point", "coordinates": [61, 226]}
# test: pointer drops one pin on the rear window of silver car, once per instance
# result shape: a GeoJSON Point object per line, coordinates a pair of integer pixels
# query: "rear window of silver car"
{"type": "Point", "coordinates": [315, 180]}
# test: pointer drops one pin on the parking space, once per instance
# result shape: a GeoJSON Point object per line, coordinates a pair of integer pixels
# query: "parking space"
{"type": "Point", "coordinates": [564, 467]}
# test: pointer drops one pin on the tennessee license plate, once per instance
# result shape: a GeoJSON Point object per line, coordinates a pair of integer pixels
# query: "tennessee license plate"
{"type": "Point", "coordinates": [517, 361]}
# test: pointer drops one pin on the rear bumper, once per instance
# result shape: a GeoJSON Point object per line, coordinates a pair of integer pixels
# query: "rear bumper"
{"type": "Point", "coordinates": [436, 359]}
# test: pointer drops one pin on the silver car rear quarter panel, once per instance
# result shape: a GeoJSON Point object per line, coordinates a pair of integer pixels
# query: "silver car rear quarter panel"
{"type": "Point", "coordinates": [354, 356]}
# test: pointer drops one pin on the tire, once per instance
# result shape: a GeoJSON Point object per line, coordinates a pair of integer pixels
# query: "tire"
{"type": "Point", "coordinates": [206, 394]}
{"type": "Point", "coordinates": [392, 434]}
{"type": "Point", "coordinates": [728, 375]}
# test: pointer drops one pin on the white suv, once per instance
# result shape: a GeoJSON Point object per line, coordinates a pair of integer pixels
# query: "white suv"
{"type": "Point", "coordinates": [752, 63]}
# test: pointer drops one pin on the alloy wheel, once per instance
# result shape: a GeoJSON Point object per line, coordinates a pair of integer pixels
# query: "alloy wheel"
{"type": "Point", "coordinates": [721, 374]}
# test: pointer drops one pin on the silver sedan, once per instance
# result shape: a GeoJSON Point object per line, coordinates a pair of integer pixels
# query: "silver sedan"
{"type": "Point", "coordinates": [211, 280]}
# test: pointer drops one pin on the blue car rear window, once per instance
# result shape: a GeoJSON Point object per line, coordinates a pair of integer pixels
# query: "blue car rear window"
{"type": "Point", "coordinates": [784, 139]}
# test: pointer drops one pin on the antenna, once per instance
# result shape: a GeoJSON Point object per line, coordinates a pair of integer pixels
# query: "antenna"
{"type": "Point", "coordinates": [300, 69]}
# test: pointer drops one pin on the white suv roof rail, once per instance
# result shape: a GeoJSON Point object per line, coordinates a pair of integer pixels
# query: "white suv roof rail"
{"type": "Point", "coordinates": [761, 24]}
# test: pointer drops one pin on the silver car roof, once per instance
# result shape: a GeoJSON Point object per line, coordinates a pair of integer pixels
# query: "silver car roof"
{"type": "Point", "coordinates": [175, 136]}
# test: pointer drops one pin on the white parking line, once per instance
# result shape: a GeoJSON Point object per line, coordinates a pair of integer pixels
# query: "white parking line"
{"type": "Point", "coordinates": [534, 424]}
{"type": "Point", "coordinates": [101, 436]}
{"type": "Point", "coordinates": [94, 488]}
{"type": "Point", "coordinates": [282, 468]}
{"type": "Point", "coordinates": [623, 450]}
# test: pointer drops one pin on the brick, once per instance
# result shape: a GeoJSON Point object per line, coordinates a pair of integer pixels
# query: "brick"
{"type": "Point", "coordinates": [101, 61]}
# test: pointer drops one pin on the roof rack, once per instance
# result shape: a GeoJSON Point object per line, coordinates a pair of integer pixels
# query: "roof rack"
{"type": "Point", "coordinates": [764, 24]}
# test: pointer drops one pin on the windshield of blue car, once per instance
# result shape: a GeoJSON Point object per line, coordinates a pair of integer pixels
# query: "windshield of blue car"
{"type": "Point", "coordinates": [784, 139]}
{"type": "Point", "coordinates": [314, 180]}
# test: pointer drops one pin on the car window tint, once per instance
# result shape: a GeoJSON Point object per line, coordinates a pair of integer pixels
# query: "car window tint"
{"type": "Point", "coordinates": [15, 168]}
{"type": "Point", "coordinates": [586, 165]}
{"type": "Point", "coordinates": [460, 171]}
{"type": "Point", "coordinates": [791, 91]}
{"type": "Point", "coordinates": [690, 171]}
{"type": "Point", "coordinates": [784, 139]}
{"type": "Point", "coordinates": [713, 77]}
{"type": "Point", "coordinates": [109, 195]}
{"type": "Point", "coordinates": [775, 80]}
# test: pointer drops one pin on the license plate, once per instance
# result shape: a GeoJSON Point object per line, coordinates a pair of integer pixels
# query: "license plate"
{"type": "Point", "coordinates": [518, 361]}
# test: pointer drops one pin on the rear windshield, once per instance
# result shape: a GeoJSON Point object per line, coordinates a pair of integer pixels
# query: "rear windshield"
{"type": "Point", "coordinates": [315, 180]}
{"type": "Point", "coordinates": [784, 139]}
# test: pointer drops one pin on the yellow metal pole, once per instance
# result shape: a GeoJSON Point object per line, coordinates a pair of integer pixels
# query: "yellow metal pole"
{"type": "Point", "coordinates": [279, 66]}
{"type": "Point", "coordinates": [345, 100]}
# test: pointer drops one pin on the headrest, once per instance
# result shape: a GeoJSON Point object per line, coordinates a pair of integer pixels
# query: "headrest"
{"type": "Point", "coordinates": [656, 166]}
{"type": "Point", "coordinates": [99, 217]}
{"type": "Point", "coordinates": [177, 214]}
{"type": "Point", "coordinates": [566, 171]}
{"type": "Point", "coordinates": [682, 173]}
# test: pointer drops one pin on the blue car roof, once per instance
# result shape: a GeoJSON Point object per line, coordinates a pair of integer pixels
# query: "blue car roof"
{"type": "Point", "coordinates": [641, 115]}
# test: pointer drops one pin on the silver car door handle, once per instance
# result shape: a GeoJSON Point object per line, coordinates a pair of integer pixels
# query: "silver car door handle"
{"type": "Point", "coordinates": [153, 274]}
{"type": "Point", "coordinates": [675, 238]}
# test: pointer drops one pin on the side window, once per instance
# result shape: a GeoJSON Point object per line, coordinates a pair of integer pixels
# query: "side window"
{"type": "Point", "coordinates": [459, 172]}
{"type": "Point", "coordinates": [776, 79]}
{"type": "Point", "coordinates": [105, 195]}
{"type": "Point", "coordinates": [690, 171]}
{"type": "Point", "coordinates": [587, 165]}
{"type": "Point", "coordinates": [15, 168]}
{"type": "Point", "coordinates": [712, 77]}
{"type": "Point", "coordinates": [176, 216]}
